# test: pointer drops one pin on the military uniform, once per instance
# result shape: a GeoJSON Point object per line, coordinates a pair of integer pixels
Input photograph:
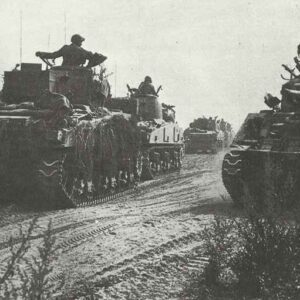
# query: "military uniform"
{"type": "Point", "coordinates": [147, 88]}
{"type": "Point", "coordinates": [73, 55]}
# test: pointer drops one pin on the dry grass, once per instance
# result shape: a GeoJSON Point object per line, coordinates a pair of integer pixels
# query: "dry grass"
{"type": "Point", "coordinates": [27, 276]}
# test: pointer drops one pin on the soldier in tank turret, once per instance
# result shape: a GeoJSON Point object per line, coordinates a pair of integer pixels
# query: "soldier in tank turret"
{"type": "Point", "coordinates": [101, 90]}
{"type": "Point", "coordinates": [146, 87]}
{"type": "Point", "coordinates": [212, 124]}
{"type": "Point", "coordinates": [223, 125]}
{"type": "Point", "coordinates": [73, 55]}
{"type": "Point", "coordinates": [228, 127]}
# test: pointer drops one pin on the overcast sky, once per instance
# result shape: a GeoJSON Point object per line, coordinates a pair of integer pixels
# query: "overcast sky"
{"type": "Point", "coordinates": [212, 57]}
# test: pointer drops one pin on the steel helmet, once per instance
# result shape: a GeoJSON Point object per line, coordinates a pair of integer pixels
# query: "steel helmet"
{"type": "Point", "coordinates": [76, 39]}
{"type": "Point", "coordinates": [148, 79]}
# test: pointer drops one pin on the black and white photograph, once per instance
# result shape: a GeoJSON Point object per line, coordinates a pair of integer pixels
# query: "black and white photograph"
{"type": "Point", "coordinates": [150, 150]}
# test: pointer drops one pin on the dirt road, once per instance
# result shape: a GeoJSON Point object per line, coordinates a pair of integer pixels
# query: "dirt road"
{"type": "Point", "coordinates": [143, 246]}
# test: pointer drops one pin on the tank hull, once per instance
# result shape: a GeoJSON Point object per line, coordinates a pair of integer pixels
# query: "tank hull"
{"type": "Point", "coordinates": [211, 142]}
{"type": "Point", "coordinates": [262, 177]}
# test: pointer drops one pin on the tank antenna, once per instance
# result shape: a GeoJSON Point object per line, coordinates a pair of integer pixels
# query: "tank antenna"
{"type": "Point", "coordinates": [115, 80]}
{"type": "Point", "coordinates": [65, 22]}
{"type": "Point", "coordinates": [21, 35]}
{"type": "Point", "coordinates": [48, 44]}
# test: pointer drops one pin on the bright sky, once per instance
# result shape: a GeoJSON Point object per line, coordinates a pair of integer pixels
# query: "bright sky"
{"type": "Point", "coordinates": [212, 57]}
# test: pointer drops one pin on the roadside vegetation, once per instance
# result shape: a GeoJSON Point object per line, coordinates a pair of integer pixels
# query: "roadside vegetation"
{"type": "Point", "coordinates": [256, 256]}
{"type": "Point", "coordinates": [27, 270]}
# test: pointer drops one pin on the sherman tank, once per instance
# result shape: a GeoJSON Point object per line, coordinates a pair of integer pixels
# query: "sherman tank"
{"type": "Point", "coordinates": [203, 136]}
{"type": "Point", "coordinates": [199, 141]}
{"type": "Point", "coordinates": [264, 162]}
{"type": "Point", "coordinates": [162, 143]}
{"type": "Point", "coordinates": [61, 148]}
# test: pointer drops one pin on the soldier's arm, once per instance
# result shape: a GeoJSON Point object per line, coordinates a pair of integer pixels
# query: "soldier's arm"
{"type": "Point", "coordinates": [51, 55]}
{"type": "Point", "coordinates": [153, 91]}
{"type": "Point", "coordinates": [87, 54]}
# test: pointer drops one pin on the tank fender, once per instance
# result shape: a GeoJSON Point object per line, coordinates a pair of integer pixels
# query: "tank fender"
{"type": "Point", "coordinates": [252, 127]}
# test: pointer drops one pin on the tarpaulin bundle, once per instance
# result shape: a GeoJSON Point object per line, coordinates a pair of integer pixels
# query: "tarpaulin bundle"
{"type": "Point", "coordinates": [109, 144]}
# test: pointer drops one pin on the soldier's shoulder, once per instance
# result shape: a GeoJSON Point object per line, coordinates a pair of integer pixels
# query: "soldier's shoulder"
{"type": "Point", "coordinates": [65, 47]}
{"type": "Point", "coordinates": [85, 51]}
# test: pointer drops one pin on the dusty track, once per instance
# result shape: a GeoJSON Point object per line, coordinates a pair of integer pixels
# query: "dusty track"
{"type": "Point", "coordinates": [142, 246]}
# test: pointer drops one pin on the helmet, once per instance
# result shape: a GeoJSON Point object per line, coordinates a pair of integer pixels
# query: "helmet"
{"type": "Point", "coordinates": [148, 79]}
{"type": "Point", "coordinates": [77, 39]}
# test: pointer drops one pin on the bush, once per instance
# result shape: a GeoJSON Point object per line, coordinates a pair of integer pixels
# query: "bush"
{"type": "Point", "coordinates": [250, 257]}
{"type": "Point", "coordinates": [27, 277]}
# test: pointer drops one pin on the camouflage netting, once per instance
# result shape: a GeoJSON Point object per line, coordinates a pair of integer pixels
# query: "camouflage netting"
{"type": "Point", "coordinates": [108, 145]}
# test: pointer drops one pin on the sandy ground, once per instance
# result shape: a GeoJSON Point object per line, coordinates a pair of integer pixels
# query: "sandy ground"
{"type": "Point", "coordinates": [143, 246]}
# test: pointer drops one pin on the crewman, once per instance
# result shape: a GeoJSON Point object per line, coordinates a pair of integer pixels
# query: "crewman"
{"type": "Point", "coordinates": [211, 124]}
{"type": "Point", "coordinates": [101, 90]}
{"type": "Point", "coordinates": [73, 55]}
{"type": "Point", "coordinates": [223, 125]}
{"type": "Point", "coordinates": [228, 127]}
{"type": "Point", "coordinates": [146, 87]}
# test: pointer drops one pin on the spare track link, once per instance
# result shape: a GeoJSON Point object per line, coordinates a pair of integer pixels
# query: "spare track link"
{"type": "Point", "coordinates": [232, 176]}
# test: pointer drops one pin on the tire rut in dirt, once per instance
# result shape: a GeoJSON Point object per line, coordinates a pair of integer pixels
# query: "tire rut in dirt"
{"type": "Point", "coordinates": [152, 275]}
{"type": "Point", "coordinates": [161, 249]}
{"type": "Point", "coordinates": [15, 241]}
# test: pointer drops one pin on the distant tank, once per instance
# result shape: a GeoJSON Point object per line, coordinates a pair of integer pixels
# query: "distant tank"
{"type": "Point", "coordinates": [203, 136]}
{"type": "Point", "coordinates": [198, 140]}
{"type": "Point", "coordinates": [60, 148]}
{"type": "Point", "coordinates": [264, 161]}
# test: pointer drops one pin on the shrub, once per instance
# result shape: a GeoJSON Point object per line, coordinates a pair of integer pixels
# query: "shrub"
{"type": "Point", "coordinates": [250, 257]}
{"type": "Point", "coordinates": [27, 276]}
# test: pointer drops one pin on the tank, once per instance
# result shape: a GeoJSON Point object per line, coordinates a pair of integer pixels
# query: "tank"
{"type": "Point", "coordinates": [204, 136]}
{"type": "Point", "coordinates": [264, 160]}
{"type": "Point", "coordinates": [60, 147]}
{"type": "Point", "coordinates": [162, 143]}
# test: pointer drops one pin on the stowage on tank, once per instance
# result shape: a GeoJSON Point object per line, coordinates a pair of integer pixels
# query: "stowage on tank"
{"type": "Point", "coordinates": [207, 135]}
{"type": "Point", "coordinates": [264, 162]}
{"type": "Point", "coordinates": [61, 147]}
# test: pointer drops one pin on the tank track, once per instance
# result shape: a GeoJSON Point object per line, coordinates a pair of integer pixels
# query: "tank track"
{"type": "Point", "coordinates": [232, 176]}
{"type": "Point", "coordinates": [62, 183]}
{"type": "Point", "coordinates": [262, 179]}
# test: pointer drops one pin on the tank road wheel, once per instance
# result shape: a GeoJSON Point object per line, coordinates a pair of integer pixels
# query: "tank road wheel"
{"type": "Point", "coordinates": [98, 180]}
{"type": "Point", "coordinates": [155, 162]}
{"type": "Point", "coordinates": [231, 175]}
{"type": "Point", "coordinates": [175, 159]}
{"type": "Point", "coordinates": [180, 158]}
{"type": "Point", "coordinates": [138, 166]}
{"type": "Point", "coordinates": [147, 173]}
{"type": "Point", "coordinates": [74, 181]}
{"type": "Point", "coordinates": [181, 155]}
{"type": "Point", "coordinates": [166, 161]}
